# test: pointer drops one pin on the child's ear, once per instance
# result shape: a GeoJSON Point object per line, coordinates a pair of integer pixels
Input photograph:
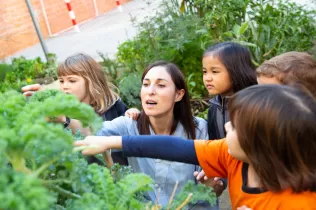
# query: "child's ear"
{"type": "Point", "coordinates": [179, 95]}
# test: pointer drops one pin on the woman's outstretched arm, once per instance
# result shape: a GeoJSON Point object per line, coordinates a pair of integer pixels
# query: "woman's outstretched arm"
{"type": "Point", "coordinates": [162, 147]}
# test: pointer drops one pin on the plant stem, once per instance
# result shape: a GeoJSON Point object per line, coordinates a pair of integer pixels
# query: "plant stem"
{"type": "Point", "coordinates": [44, 166]}
{"type": "Point", "coordinates": [63, 192]}
{"type": "Point", "coordinates": [53, 181]}
{"type": "Point", "coordinates": [185, 201]}
{"type": "Point", "coordinates": [18, 163]}
{"type": "Point", "coordinates": [172, 195]}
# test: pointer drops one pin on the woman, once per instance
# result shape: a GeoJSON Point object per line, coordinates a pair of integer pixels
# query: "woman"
{"type": "Point", "coordinates": [166, 111]}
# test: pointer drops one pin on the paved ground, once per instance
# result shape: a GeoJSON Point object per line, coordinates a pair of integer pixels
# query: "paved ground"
{"type": "Point", "coordinates": [102, 34]}
{"type": "Point", "coordinates": [224, 201]}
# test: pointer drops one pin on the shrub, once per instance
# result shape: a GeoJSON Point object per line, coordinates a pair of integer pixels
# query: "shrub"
{"type": "Point", "coordinates": [180, 33]}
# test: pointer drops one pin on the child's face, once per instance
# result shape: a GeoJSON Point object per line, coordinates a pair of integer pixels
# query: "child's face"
{"type": "Point", "coordinates": [75, 85]}
{"type": "Point", "coordinates": [159, 93]}
{"type": "Point", "coordinates": [216, 77]}
{"type": "Point", "coordinates": [233, 143]}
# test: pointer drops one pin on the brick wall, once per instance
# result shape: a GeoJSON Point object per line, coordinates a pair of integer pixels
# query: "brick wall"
{"type": "Point", "coordinates": [16, 27]}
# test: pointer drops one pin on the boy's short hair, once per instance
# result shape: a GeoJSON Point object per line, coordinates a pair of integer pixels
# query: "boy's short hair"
{"type": "Point", "coordinates": [276, 128]}
{"type": "Point", "coordinates": [291, 67]}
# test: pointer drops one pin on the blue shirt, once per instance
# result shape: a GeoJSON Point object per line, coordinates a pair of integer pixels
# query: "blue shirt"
{"type": "Point", "coordinates": [164, 173]}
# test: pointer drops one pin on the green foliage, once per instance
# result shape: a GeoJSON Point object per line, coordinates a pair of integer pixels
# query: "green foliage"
{"type": "Point", "coordinates": [39, 168]}
{"type": "Point", "coordinates": [23, 192]}
{"type": "Point", "coordinates": [129, 87]}
{"type": "Point", "coordinates": [118, 171]}
{"type": "Point", "coordinates": [4, 68]}
{"type": "Point", "coordinates": [269, 27]}
{"type": "Point", "coordinates": [275, 28]}
{"type": "Point", "coordinates": [23, 71]}
{"type": "Point", "coordinates": [110, 68]}
{"type": "Point", "coordinates": [181, 32]}
{"type": "Point", "coordinates": [199, 193]}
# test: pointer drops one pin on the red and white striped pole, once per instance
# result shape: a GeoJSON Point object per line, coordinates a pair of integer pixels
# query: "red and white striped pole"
{"type": "Point", "coordinates": [72, 15]}
{"type": "Point", "coordinates": [119, 6]}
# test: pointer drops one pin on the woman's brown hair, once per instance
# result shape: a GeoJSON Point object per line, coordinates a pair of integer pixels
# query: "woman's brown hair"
{"type": "Point", "coordinates": [276, 128]}
{"type": "Point", "coordinates": [100, 91]}
{"type": "Point", "coordinates": [291, 67]}
{"type": "Point", "coordinates": [182, 109]}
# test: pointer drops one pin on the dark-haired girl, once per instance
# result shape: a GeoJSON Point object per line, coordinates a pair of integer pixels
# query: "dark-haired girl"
{"type": "Point", "coordinates": [227, 68]}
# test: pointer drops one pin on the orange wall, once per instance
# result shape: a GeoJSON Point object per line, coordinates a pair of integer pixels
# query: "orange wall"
{"type": "Point", "coordinates": [16, 27]}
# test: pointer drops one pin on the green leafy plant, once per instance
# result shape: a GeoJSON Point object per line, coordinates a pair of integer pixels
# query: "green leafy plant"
{"type": "Point", "coordinates": [41, 170]}
{"type": "Point", "coordinates": [24, 71]}
{"type": "Point", "coordinates": [129, 87]}
{"type": "Point", "coordinates": [111, 68]}
{"type": "Point", "coordinates": [268, 27]}
{"type": "Point", "coordinates": [4, 68]}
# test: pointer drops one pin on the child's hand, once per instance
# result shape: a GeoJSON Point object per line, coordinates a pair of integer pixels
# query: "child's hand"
{"type": "Point", "coordinates": [93, 145]}
{"type": "Point", "coordinates": [96, 145]}
{"type": "Point", "coordinates": [28, 90]}
{"type": "Point", "coordinates": [132, 113]}
{"type": "Point", "coordinates": [243, 208]}
{"type": "Point", "coordinates": [216, 183]}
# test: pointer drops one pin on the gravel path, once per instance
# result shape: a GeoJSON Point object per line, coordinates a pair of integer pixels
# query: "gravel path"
{"type": "Point", "coordinates": [224, 201]}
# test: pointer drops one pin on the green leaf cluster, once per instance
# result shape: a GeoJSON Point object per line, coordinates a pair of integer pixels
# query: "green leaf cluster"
{"type": "Point", "coordinates": [23, 71]}
{"type": "Point", "coordinates": [40, 170]}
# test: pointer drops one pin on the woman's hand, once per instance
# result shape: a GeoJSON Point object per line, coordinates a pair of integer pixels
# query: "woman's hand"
{"type": "Point", "coordinates": [216, 183]}
{"type": "Point", "coordinates": [28, 90]}
{"type": "Point", "coordinates": [99, 144]}
{"type": "Point", "coordinates": [132, 113]}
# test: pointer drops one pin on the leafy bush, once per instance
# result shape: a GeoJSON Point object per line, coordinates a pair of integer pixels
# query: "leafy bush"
{"type": "Point", "coordinates": [23, 71]}
{"type": "Point", "coordinates": [41, 170]}
{"type": "Point", "coordinates": [4, 68]}
{"type": "Point", "coordinates": [269, 27]}
{"type": "Point", "coordinates": [180, 33]}
{"type": "Point", "coordinates": [129, 87]}
{"type": "Point", "coordinates": [168, 36]}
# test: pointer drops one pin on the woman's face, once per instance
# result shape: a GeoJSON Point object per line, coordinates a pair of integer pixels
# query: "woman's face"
{"type": "Point", "coordinates": [233, 143]}
{"type": "Point", "coordinates": [75, 85]}
{"type": "Point", "coordinates": [216, 77]}
{"type": "Point", "coordinates": [158, 93]}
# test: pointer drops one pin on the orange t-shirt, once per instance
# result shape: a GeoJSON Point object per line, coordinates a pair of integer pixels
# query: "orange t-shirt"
{"type": "Point", "coordinates": [215, 160]}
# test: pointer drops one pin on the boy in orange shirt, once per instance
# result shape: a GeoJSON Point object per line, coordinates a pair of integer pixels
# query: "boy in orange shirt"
{"type": "Point", "coordinates": [267, 156]}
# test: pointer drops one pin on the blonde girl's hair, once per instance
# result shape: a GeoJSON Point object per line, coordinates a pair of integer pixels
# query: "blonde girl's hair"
{"type": "Point", "coordinates": [101, 92]}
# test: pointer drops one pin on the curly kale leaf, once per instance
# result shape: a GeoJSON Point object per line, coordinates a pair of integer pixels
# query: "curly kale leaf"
{"type": "Point", "coordinates": [43, 95]}
{"type": "Point", "coordinates": [60, 104]}
{"type": "Point", "coordinates": [89, 201]}
{"type": "Point", "coordinates": [23, 192]}
{"type": "Point", "coordinates": [129, 187]}
{"type": "Point", "coordinates": [200, 193]}
{"type": "Point", "coordinates": [12, 104]}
